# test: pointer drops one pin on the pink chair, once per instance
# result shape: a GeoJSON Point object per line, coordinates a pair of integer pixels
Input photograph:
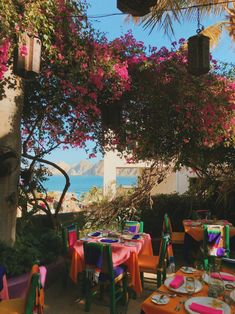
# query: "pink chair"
{"type": "Point", "coordinates": [43, 274]}
{"type": "Point", "coordinates": [4, 295]}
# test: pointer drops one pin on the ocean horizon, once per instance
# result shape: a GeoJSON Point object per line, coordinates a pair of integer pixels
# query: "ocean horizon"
{"type": "Point", "coordinates": [82, 184]}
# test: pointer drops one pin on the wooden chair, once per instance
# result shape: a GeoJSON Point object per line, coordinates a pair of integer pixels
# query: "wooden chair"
{"type": "Point", "coordinates": [215, 243]}
{"type": "Point", "coordinates": [176, 237]}
{"type": "Point", "coordinates": [155, 264]}
{"type": "Point", "coordinates": [228, 264]}
{"type": "Point", "coordinates": [99, 272]}
{"type": "Point", "coordinates": [70, 234]}
{"type": "Point", "coordinates": [3, 284]}
{"type": "Point", "coordinates": [32, 303]}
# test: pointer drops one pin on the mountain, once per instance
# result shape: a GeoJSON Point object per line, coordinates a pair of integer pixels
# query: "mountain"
{"type": "Point", "coordinates": [86, 168]}
{"type": "Point", "coordinates": [81, 168]}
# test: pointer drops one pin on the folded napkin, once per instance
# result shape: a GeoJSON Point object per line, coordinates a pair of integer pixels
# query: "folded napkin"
{"type": "Point", "coordinates": [223, 276]}
{"type": "Point", "coordinates": [135, 237]}
{"type": "Point", "coordinates": [177, 281]}
{"type": "Point", "coordinates": [203, 309]}
{"type": "Point", "coordinates": [96, 234]}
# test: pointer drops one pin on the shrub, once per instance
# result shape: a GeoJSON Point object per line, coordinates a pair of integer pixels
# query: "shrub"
{"type": "Point", "coordinates": [178, 207]}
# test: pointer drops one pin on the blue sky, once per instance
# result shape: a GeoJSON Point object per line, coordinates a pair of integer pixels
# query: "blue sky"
{"type": "Point", "coordinates": [115, 26]}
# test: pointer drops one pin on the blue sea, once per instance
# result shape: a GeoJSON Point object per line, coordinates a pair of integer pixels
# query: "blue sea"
{"type": "Point", "coordinates": [82, 184]}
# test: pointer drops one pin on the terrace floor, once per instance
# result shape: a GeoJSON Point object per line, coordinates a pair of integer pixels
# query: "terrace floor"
{"type": "Point", "coordinates": [59, 300]}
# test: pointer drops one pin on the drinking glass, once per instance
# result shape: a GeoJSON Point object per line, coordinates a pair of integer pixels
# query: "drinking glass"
{"type": "Point", "coordinates": [190, 285]}
{"type": "Point", "coordinates": [200, 273]}
{"type": "Point", "coordinates": [215, 285]}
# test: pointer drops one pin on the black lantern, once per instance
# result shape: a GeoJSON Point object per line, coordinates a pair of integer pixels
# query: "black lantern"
{"type": "Point", "coordinates": [199, 51]}
{"type": "Point", "coordinates": [198, 54]}
{"type": "Point", "coordinates": [27, 56]}
{"type": "Point", "coordinates": [111, 116]}
{"type": "Point", "coordinates": [135, 7]}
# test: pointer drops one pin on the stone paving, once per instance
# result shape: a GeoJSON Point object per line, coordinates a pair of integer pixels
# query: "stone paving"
{"type": "Point", "coordinates": [65, 301]}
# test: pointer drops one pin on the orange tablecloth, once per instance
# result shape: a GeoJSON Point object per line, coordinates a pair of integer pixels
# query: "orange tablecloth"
{"type": "Point", "coordinates": [148, 307]}
{"type": "Point", "coordinates": [197, 231]}
{"type": "Point", "coordinates": [122, 254]}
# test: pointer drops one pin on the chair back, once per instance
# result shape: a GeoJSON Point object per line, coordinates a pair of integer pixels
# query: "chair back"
{"type": "Point", "coordinates": [35, 296]}
{"type": "Point", "coordinates": [133, 226]}
{"type": "Point", "coordinates": [215, 242]}
{"type": "Point", "coordinates": [163, 256]}
{"type": "Point", "coordinates": [166, 227]}
{"type": "Point", "coordinates": [70, 234]}
{"type": "Point", "coordinates": [228, 264]}
{"type": "Point", "coordinates": [4, 295]}
{"type": "Point", "coordinates": [98, 259]}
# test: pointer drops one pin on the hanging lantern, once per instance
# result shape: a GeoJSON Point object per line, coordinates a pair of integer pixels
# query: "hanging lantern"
{"type": "Point", "coordinates": [198, 54]}
{"type": "Point", "coordinates": [135, 7]}
{"type": "Point", "coordinates": [111, 116]}
{"type": "Point", "coordinates": [28, 56]}
{"type": "Point", "coordinates": [199, 51]}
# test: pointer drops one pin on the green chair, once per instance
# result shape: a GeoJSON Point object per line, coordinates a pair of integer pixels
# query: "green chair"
{"type": "Point", "coordinates": [33, 303]}
{"type": "Point", "coordinates": [99, 273]}
{"type": "Point", "coordinates": [215, 243]}
{"type": "Point", "coordinates": [134, 226]}
{"type": "Point", "coordinates": [156, 264]}
{"type": "Point", "coordinates": [166, 226]}
{"type": "Point", "coordinates": [228, 264]}
{"type": "Point", "coordinates": [70, 234]}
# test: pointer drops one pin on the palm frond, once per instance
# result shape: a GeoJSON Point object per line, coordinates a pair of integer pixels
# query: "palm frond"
{"type": "Point", "coordinates": [214, 32]}
{"type": "Point", "coordinates": [163, 14]}
{"type": "Point", "coordinates": [231, 22]}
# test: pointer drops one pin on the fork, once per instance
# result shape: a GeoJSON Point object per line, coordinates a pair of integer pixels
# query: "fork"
{"type": "Point", "coordinates": [179, 305]}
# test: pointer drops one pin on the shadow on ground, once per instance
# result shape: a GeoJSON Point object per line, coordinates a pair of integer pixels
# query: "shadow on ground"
{"type": "Point", "coordinates": [61, 300]}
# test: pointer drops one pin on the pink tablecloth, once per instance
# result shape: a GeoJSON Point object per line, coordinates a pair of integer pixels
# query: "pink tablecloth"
{"type": "Point", "coordinates": [122, 253]}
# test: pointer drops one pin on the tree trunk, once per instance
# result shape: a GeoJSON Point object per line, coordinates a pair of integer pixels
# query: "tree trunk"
{"type": "Point", "coordinates": [10, 152]}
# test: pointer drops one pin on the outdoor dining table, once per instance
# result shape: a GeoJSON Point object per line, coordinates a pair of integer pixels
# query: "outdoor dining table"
{"type": "Point", "coordinates": [194, 228]}
{"type": "Point", "coordinates": [148, 307]}
{"type": "Point", "coordinates": [122, 253]}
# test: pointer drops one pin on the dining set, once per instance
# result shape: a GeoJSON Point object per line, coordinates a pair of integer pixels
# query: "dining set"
{"type": "Point", "coordinates": [209, 286]}
{"type": "Point", "coordinates": [193, 290]}
{"type": "Point", "coordinates": [126, 247]}
{"type": "Point", "coordinates": [204, 288]}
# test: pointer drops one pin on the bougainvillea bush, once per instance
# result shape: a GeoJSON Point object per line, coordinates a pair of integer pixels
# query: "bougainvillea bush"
{"type": "Point", "coordinates": [168, 113]}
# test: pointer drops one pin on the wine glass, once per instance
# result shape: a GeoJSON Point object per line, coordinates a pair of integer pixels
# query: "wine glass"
{"type": "Point", "coordinates": [190, 285]}
{"type": "Point", "coordinates": [200, 273]}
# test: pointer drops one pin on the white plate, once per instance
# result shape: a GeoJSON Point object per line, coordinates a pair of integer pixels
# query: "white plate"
{"type": "Point", "coordinates": [207, 301]}
{"type": "Point", "coordinates": [187, 270]}
{"type": "Point", "coordinates": [182, 289]}
{"type": "Point", "coordinates": [113, 240]}
{"type": "Point", "coordinates": [160, 299]}
{"type": "Point", "coordinates": [91, 234]}
{"type": "Point", "coordinates": [232, 295]}
{"type": "Point", "coordinates": [206, 279]}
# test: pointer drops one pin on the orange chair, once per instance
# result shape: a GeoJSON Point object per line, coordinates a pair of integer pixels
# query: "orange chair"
{"type": "Point", "coordinates": [155, 264]}
{"type": "Point", "coordinates": [32, 303]}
